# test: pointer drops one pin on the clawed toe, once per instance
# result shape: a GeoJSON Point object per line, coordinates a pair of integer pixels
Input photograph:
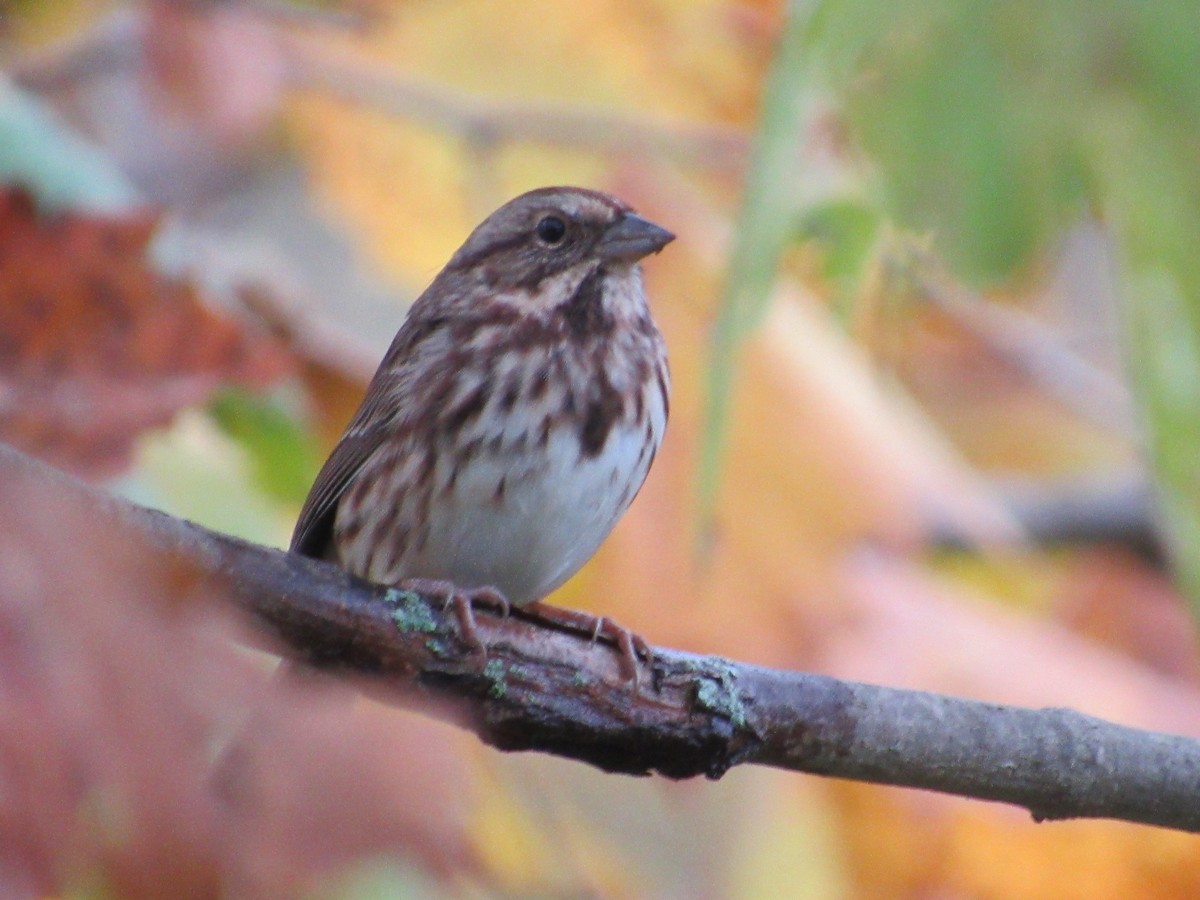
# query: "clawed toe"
{"type": "Point", "coordinates": [466, 621]}
{"type": "Point", "coordinates": [462, 602]}
{"type": "Point", "coordinates": [490, 596]}
{"type": "Point", "coordinates": [632, 648]}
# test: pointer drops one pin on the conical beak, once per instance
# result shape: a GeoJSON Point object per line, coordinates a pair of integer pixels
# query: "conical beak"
{"type": "Point", "coordinates": [631, 237]}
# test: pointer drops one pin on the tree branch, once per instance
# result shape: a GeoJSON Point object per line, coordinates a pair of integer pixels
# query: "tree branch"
{"type": "Point", "coordinates": [313, 65]}
{"type": "Point", "coordinates": [546, 689]}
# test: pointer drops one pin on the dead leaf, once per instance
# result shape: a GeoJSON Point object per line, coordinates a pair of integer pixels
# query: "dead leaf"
{"type": "Point", "coordinates": [96, 346]}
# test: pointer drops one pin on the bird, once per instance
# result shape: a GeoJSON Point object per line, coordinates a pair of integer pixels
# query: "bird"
{"type": "Point", "coordinates": [512, 420]}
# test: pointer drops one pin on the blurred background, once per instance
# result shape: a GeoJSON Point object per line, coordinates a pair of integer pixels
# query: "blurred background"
{"type": "Point", "coordinates": [934, 324]}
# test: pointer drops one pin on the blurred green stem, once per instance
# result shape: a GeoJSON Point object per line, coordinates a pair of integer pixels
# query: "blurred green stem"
{"type": "Point", "coordinates": [761, 232]}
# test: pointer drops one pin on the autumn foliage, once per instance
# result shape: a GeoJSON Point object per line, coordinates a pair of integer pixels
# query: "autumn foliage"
{"type": "Point", "coordinates": [321, 164]}
{"type": "Point", "coordinates": [96, 346]}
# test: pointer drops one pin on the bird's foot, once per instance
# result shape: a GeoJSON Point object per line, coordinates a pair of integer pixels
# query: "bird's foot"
{"type": "Point", "coordinates": [463, 601]}
{"type": "Point", "coordinates": [631, 647]}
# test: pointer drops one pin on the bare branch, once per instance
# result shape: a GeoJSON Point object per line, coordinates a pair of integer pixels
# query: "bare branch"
{"type": "Point", "coordinates": [482, 123]}
{"type": "Point", "coordinates": [1066, 512]}
{"type": "Point", "coordinates": [109, 45]}
{"type": "Point", "coordinates": [544, 689]}
{"type": "Point", "coordinates": [313, 65]}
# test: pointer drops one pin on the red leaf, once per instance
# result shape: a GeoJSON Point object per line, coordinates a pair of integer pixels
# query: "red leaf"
{"type": "Point", "coordinates": [96, 346]}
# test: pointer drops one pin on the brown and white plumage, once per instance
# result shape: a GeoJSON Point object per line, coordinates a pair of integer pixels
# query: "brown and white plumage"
{"type": "Point", "coordinates": [514, 416]}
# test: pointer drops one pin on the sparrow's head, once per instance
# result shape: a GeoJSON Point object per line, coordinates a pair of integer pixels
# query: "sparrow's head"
{"type": "Point", "coordinates": [559, 234]}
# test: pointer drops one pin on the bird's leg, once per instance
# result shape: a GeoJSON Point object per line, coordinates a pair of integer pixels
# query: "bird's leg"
{"type": "Point", "coordinates": [632, 647]}
{"type": "Point", "coordinates": [462, 600]}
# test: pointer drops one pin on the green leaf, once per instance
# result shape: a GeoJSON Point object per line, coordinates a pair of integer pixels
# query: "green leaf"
{"type": "Point", "coordinates": [1166, 355]}
{"type": "Point", "coordinates": [845, 233]}
{"type": "Point", "coordinates": [994, 126]}
{"type": "Point", "coordinates": [1155, 210]}
{"type": "Point", "coordinates": [282, 454]}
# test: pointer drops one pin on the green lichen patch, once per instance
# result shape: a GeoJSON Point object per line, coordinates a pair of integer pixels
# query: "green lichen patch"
{"type": "Point", "coordinates": [495, 673]}
{"type": "Point", "coordinates": [411, 612]}
{"type": "Point", "coordinates": [719, 695]}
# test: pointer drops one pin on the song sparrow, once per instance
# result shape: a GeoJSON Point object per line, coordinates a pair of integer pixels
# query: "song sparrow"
{"type": "Point", "coordinates": [513, 418]}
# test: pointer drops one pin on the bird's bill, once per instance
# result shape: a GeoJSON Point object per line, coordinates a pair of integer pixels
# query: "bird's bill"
{"type": "Point", "coordinates": [631, 237]}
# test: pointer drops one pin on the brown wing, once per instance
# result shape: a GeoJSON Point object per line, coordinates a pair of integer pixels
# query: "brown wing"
{"type": "Point", "coordinates": [313, 535]}
{"type": "Point", "coordinates": [370, 427]}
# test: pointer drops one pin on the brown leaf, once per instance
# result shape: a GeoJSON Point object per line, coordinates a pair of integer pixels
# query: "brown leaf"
{"type": "Point", "coordinates": [96, 346]}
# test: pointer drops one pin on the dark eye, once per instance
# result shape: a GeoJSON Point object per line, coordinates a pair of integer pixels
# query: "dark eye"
{"type": "Point", "coordinates": [551, 230]}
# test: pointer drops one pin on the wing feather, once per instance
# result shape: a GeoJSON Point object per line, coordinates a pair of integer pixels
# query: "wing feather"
{"type": "Point", "coordinates": [313, 535]}
{"type": "Point", "coordinates": [374, 421]}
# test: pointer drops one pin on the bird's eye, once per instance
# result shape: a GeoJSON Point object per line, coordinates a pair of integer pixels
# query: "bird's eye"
{"type": "Point", "coordinates": [551, 230]}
